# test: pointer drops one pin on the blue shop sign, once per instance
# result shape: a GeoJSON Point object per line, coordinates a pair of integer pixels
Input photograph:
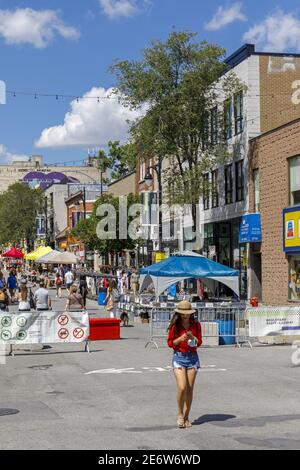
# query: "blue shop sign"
{"type": "Point", "coordinates": [250, 229]}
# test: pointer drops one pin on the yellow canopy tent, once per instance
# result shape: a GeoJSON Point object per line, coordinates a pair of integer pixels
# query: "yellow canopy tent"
{"type": "Point", "coordinates": [38, 252]}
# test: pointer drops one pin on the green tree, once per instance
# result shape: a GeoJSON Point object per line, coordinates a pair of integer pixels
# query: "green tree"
{"type": "Point", "coordinates": [120, 159]}
{"type": "Point", "coordinates": [86, 230]}
{"type": "Point", "coordinates": [19, 206]}
{"type": "Point", "coordinates": [179, 82]}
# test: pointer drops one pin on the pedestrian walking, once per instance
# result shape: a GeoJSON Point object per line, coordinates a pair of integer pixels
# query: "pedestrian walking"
{"type": "Point", "coordinates": [83, 288]}
{"type": "Point", "coordinates": [112, 296]}
{"type": "Point", "coordinates": [3, 300]}
{"type": "Point", "coordinates": [42, 298]}
{"type": "Point", "coordinates": [12, 285]}
{"type": "Point", "coordinates": [134, 282]}
{"type": "Point", "coordinates": [69, 279]}
{"type": "Point", "coordinates": [74, 300]}
{"type": "Point", "coordinates": [58, 284]}
{"type": "Point", "coordinates": [184, 338]}
{"type": "Point", "coordinates": [24, 304]}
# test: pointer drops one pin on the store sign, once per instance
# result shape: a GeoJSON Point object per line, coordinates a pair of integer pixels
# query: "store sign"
{"type": "Point", "coordinates": [291, 230]}
{"type": "Point", "coordinates": [250, 230]}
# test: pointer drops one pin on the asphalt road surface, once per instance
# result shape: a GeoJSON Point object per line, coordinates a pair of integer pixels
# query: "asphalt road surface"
{"type": "Point", "coordinates": [122, 396]}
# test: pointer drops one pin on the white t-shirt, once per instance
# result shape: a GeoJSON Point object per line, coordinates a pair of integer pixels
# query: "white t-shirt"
{"type": "Point", "coordinates": [69, 277]}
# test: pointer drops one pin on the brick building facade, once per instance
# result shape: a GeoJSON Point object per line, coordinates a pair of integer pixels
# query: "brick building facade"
{"type": "Point", "coordinates": [270, 155]}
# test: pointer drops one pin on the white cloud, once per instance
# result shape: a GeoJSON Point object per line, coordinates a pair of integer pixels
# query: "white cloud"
{"type": "Point", "coordinates": [126, 8]}
{"type": "Point", "coordinates": [90, 122]}
{"type": "Point", "coordinates": [278, 32]}
{"type": "Point", "coordinates": [38, 28]}
{"type": "Point", "coordinates": [8, 157]}
{"type": "Point", "coordinates": [224, 16]}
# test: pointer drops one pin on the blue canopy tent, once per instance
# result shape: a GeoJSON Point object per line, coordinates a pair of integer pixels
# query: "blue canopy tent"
{"type": "Point", "coordinates": [187, 265]}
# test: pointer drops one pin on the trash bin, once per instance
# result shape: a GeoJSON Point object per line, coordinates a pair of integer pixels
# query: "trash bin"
{"type": "Point", "coordinates": [227, 328]}
{"type": "Point", "coordinates": [101, 296]}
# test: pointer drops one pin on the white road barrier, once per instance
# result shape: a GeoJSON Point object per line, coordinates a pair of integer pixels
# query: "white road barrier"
{"type": "Point", "coordinates": [272, 321]}
{"type": "Point", "coordinates": [43, 327]}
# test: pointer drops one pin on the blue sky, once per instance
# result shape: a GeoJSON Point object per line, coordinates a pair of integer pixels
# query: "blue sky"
{"type": "Point", "coordinates": [66, 47]}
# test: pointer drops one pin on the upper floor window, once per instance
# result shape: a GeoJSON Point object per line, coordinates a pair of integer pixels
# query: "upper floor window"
{"type": "Point", "coordinates": [294, 166]}
{"type": "Point", "coordinates": [214, 188]}
{"type": "Point", "coordinates": [256, 190]}
{"type": "Point", "coordinates": [214, 126]}
{"type": "Point", "coordinates": [228, 119]}
{"type": "Point", "coordinates": [228, 184]}
{"type": "Point", "coordinates": [142, 171]}
{"type": "Point", "coordinates": [238, 113]}
{"type": "Point", "coordinates": [205, 131]}
{"type": "Point", "coordinates": [239, 180]}
{"type": "Point", "coordinates": [206, 191]}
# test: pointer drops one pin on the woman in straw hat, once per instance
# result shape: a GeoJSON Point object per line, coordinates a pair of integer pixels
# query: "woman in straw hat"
{"type": "Point", "coordinates": [185, 337]}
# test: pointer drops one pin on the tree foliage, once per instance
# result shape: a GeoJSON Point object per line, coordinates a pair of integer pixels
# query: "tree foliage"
{"type": "Point", "coordinates": [120, 159]}
{"type": "Point", "coordinates": [181, 83]}
{"type": "Point", "coordinates": [86, 230]}
{"type": "Point", "coordinates": [19, 206]}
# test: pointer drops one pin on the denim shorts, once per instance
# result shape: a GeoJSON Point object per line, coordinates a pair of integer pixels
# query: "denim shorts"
{"type": "Point", "coordinates": [188, 360]}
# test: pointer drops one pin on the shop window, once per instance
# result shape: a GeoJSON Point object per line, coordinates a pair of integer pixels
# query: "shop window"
{"type": "Point", "coordinates": [228, 184]}
{"type": "Point", "coordinates": [238, 113]}
{"type": "Point", "coordinates": [228, 119]}
{"type": "Point", "coordinates": [239, 181]}
{"type": "Point", "coordinates": [206, 191]}
{"type": "Point", "coordinates": [215, 188]}
{"type": "Point", "coordinates": [294, 164]}
{"type": "Point", "coordinates": [256, 190]}
{"type": "Point", "coordinates": [294, 278]}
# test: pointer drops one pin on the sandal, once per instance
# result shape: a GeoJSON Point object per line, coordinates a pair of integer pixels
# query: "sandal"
{"type": "Point", "coordinates": [180, 422]}
{"type": "Point", "coordinates": [187, 423]}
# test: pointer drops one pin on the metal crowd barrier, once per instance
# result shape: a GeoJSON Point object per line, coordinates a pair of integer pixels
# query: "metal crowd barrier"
{"type": "Point", "coordinates": [220, 325]}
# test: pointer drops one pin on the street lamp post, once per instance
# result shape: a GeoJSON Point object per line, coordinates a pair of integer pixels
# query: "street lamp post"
{"type": "Point", "coordinates": [149, 182]}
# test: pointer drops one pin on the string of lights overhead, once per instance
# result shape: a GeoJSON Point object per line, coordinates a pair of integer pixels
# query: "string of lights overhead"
{"type": "Point", "coordinates": [58, 96]}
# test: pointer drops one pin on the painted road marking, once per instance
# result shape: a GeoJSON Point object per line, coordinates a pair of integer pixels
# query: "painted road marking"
{"type": "Point", "coordinates": [129, 370]}
{"type": "Point", "coordinates": [132, 370]}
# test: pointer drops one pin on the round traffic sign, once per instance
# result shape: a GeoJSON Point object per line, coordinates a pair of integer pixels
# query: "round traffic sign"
{"type": "Point", "coordinates": [21, 335]}
{"type": "Point", "coordinates": [63, 320]}
{"type": "Point", "coordinates": [78, 333]}
{"type": "Point", "coordinates": [6, 335]}
{"type": "Point", "coordinates": [63, 333]}
{"type": "Point", "coordinates": [6, 321]}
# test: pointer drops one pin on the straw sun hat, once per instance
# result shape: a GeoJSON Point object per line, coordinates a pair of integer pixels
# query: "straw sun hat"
{"type": "Point", "coordinates": [184, 307]}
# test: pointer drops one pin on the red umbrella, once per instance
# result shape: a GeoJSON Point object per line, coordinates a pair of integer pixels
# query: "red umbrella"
{"type": "Point", "coordinates": [13, 253]}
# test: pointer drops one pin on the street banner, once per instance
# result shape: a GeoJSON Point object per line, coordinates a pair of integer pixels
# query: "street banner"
{"type": "Point", "coordinates": [43, 327]}
{"type": "Point", "coordinates": [250, 229]}
{"type": "Point", "coordinates": [273, 321]}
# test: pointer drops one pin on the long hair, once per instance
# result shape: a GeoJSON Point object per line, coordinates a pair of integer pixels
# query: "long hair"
{"type": "Point", "coordinates": [24, 293]}
{"type": "Point", "coordinates": [176, 320]}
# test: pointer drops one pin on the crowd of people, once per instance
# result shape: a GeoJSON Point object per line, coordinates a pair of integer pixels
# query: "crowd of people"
{"type": "Point", "coordinates": [30, 289]}
{"type": "Point", "coordinates": [14, 288]}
